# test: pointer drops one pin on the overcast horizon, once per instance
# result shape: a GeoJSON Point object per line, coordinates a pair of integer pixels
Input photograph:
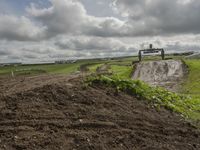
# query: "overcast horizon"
{"type": "Point", "coordinates": [33, 31]}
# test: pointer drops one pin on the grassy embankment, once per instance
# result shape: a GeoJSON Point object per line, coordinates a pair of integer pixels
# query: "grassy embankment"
{"type": "Point", "coordinates": [159, 97]}
{"type": "Point", "coordinates": [192, 84]}
{"type": "Point", "coordinates": [186, 103]}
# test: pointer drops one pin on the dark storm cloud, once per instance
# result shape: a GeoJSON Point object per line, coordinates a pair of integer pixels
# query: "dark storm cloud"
{"type": "Point", "coordinates": [91, 44]}
{"type": "Point", "coordinates": [30, 56]}
{"type": "Point", "coordinates": [4, 52]}
{"type": "Point", "coordinates": [183, 47]}
{"type": "Point", "coordinates": [157, 17]}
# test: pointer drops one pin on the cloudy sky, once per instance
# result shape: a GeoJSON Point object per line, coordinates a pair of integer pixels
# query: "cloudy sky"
{"type": "Point", "coordinates": [47, 30]}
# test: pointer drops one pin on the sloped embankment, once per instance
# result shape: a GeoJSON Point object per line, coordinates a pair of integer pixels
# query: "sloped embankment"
{"type": "Point", "coordinates": [63, 115]}
{"type": "Point", "coordinates": [167, 73]}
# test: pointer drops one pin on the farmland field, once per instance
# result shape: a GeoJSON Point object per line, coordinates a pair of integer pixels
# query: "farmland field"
{"type": "Point", "coordinates": [59, 68]}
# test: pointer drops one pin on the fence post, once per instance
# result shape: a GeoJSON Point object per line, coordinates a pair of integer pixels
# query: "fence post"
{"type": "Point", "coordinates": [140, 56]}
{"type": "Point", "coordinates": [12, 73]}
{"type": "Point", "coordinates": [163, 54]}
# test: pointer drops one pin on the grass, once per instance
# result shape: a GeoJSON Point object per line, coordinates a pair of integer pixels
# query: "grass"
{"type": "Point", "coordinates": [192, 84]}
{"type": "Point", "coordinates": [122, 71]}
{"type": "Point", "coordinates": [53, 68]}
{"type": "Point", "coordinates": [63, 68]}
{"type": "Point", "coordinates": [28, 72]}
{"type": "Point", "coordinates": [93, 68]}
{"type": "Point", "coordinates": [48, 68]}
{"type": "Point", "coordinates": [187, 106]}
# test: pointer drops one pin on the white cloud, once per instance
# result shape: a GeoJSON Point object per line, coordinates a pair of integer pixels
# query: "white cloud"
{"type": "Point", "coordinates": [19, 28]}
{"type": "Point", "coordinates": [70, 17]}
{"type": "Point", "coordinates": [160, 17]}
{"type": "Point", "coordinates": [64, 16]}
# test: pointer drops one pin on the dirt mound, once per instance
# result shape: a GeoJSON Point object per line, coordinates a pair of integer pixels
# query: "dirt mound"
{"type": "Point", "coordinates": [165, 73]}
{"type": "Point", "coordinates": [20, 84]}
{"type": "Point", "coordinates": [65, 115]}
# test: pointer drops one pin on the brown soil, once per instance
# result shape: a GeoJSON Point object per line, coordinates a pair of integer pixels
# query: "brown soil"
{"type": "Point", "coordinates": [56, 112]}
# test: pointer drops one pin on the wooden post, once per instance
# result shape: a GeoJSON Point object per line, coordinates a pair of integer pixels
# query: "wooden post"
{"type": "Point", "coordinates": [140, 56]}
{"type": "Point", "coordinates": [163, 54]}
{"type": "Point", "coordinates": [12, 74]}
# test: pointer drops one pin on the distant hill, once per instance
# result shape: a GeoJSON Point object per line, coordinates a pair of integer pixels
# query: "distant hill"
{"type": "Point", "coordinates": [194, 56]}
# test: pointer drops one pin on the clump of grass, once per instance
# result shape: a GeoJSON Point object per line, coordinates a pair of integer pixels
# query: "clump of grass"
{"type": "Point", "coordinates": [159, 97]}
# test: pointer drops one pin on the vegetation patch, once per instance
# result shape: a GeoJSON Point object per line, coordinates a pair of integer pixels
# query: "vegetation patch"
{"type": "Point", "coordinates": [187, 106]}
{"type": "Point", "coordinates": [28, 71]}
{"type": "Point", "coordinates": [122, 70]}
{"type": "Point", "coordinates": [192, 84]}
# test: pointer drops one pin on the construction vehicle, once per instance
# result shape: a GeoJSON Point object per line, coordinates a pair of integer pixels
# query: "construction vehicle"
{"type": "Point", "coordinates": [151, 50]}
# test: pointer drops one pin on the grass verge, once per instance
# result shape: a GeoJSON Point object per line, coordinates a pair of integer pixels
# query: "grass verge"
{"type": "Point", "coordinates": [192, 84]}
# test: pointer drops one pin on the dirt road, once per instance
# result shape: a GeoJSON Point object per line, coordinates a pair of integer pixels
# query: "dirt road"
{"type": "Point", "coordinates": [20, 84]}
{"type": "Point", "coordinates": [58, 113]}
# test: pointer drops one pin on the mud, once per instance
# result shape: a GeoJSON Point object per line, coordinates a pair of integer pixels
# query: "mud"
{"type": "Point", "coordinates": [58, 113]}
{"type": "Point", "coordinates": [167, 73]}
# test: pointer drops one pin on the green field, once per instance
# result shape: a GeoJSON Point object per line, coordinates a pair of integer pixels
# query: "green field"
{"type": "Point", "coordinates": [62, 68]}
{"type": "Point", "coordinates": [49, 68]}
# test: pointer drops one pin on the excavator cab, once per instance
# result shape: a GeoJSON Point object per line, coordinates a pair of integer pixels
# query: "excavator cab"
{"type": "Point", "coordinates": [151, 50]}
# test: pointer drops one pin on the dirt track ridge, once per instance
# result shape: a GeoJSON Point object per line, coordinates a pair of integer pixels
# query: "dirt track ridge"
{"type": "Point", "coordinates": [62, 114]}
